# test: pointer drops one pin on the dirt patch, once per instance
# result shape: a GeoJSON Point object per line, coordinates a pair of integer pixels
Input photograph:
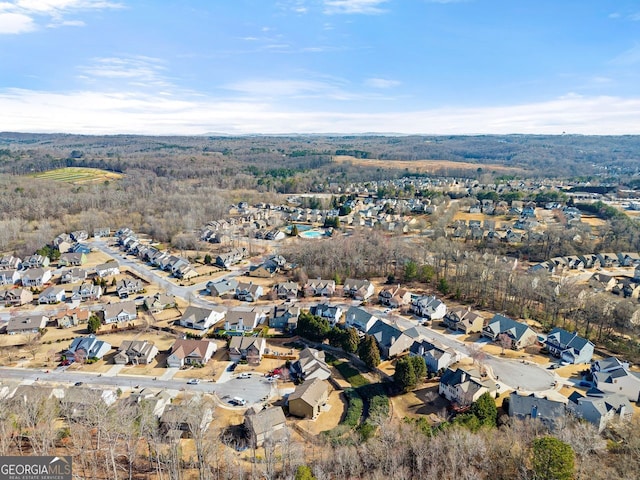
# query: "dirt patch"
{"type": "Point", "coordinates": [423, 401]}
{"type": "Point", "coordinates": [327, 419]}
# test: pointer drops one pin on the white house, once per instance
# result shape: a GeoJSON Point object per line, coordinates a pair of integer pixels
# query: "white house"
{"type": "Point", "coordinates": [53, 294]}
{"type": "Point", "coordinates": [36, 277]}
{"type": "Point", "coordinates": [201, 318]}
{"type": "Point", "coordinates": [360, 319]}
{"type": "Point", "coordinates": [429, 307]}
{"type": "Point", "coordinates": [243, 319]}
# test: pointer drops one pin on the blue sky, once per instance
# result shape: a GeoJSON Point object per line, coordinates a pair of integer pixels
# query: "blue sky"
{"type": "Point", "coordinates": [320, 66]}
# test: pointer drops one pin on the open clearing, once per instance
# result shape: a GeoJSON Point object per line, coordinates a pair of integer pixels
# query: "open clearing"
{"type": "Point", "coordinates": [424, 166]}
{"type": "Point", "coordinates": [78, 175]}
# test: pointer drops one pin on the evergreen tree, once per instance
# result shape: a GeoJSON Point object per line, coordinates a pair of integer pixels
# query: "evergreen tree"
{"type": "Point", "coordinates": [93, 325]}
{"type": "Point", "coordinates": [419, 367]}
{"type": "Point", "coordinates": [351, 340]}
{"type": "Point", "coordinates": [410, 271]}
{"type": "Point", "coordinates": [294, 231]}
{"type": "Point", "coordinates": [552, 459]}
{"type": "Point", "coordinates": [405, 376]}
{"type": "Point", "coordinates": [312, 327]}
{"type": "Point", "coordinates": [485, 409]}
{"type": "Point", "coordinates": [368, 351]}
{"type": "Point", "coordinates": [208, 260]}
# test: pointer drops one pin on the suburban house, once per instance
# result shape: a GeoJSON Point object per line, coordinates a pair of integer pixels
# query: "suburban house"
{"type": "Point", "coordinates": [248, 292]}
{"type": "Point", "coordinates": [35, 261]}
{"type": "Point", "coordinates": [286, 290]}
{"type": "Point", "coordinates": [319, 288]}
{"type": "Point", "coordinates": [101, 232]}
{"type": "Point", "coordinates": [154, 400]}
{"type": "Point", "coordinates": [520, 334]}
{"type": "Point", "coordinates": [127, 286]}
{"type": "Point", "coordinates": [93, 348]}
{"type": "Point", "coordinates": [36, 277]}
{"type": "Point", "coordinates": [136, 352]}
{"type": "Point", "coordinates": [360, 319]}
{"type": "Point", "coordinates": [428, 307]}
{"type": "Point", "coordinates": [464, 320]}
{"type": "Point", "coordinates": [267, 425]}
{"type": "Point", "coordinates": [612, 376]}
{"type": "Point", "coordinates": [86, 291]}
{"type": "Point", "coordinates": [79, 235]}
{"type": "Point", "coordinates": [358, 289]}
{"type": "Point", "coordinates": [569, 347]}
{"type": "Point", "coordinates": [28, 324]}
{"type": "Point", "coordinates": [81, 248]}
{"type": "Point", "coordinates": [307, 399]}
{"type": "Point", "coordinates": [391, 340]}
{"type": "Point", "coordinates": [159, 302]}
{"type": "Point", "coordinates": [108, 269]}
{"type": "Point", "coordinates": [72, 318]}
{"type": "Point", "coordinates": [463, 387]}
{"type": "Point", "coordinates": [186, 351]}
{"type": "Point", "coordinates": [250, 349]}
{"type": "Point", "coordinates": [269, 267]}
{"type": "Point", "coordinates": [72, 259]}
{"type": "Point", "coordinates": [79, 401]}
{"type": "Point", "coordinates": [330, 313]}
{"type": "Point", "coordinates": [550, 413]}
{"type": "Point", "coordinates": [178, 420]}
{"type": "Point", "coordinates": [200, 318]}
{"type": "Point", "coordinates": [10, 262]}
{"type": "Point", "coordinates": [243, 319]}
{"type": "Point", "coordinates": [601, 410]}
{"type": "Point", "coordinates": [16, 297]}
{"type": "Point", "coordinates": [9, 277]}
{"type": "Point", "coordinates": [118, 312]}
{"type": "Point", "coordinates": [394, 296]}
{"type": "Point", "coordinates": [285, 317]}
{"type": "Point", "coordinates": [53, 294]}
{"type": "Point", "coordinates": [436, 356]}
{"type": "Point", "coordinates": [310, 365]}
{"type": "Point", "coordinates": [73, 275]}
{"type": "Point", "coordinates": [222, 287]}
{"type": "Point", "coordinates": [226, 260]}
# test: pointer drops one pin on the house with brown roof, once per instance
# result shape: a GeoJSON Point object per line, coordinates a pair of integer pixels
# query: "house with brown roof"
{"type": "Point", "coordinates": [72, 318]}
{"type": "Point", "coordinates": [136, 352]}
{"type": "Point", "coordinates": [394, 296]}
{"type": "Point", "coordinates": [358, 289]}
{"type": "Point", "coordinates": [319, 288]}
{"type": "Point", "coordinates": [186, 351]}
{"type": "Point", "coordinates": [159, 302]}
{"type": "Point", "coordinates": [267, 425]}
{"type": "Point", "coordinates": [250, 349]}
{"type": "Point", "coordinates": [308, 399]}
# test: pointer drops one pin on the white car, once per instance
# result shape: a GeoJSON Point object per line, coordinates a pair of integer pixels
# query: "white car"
{"type": "Point", "coordinates": [244, 375]}
{"type": "Point", "coordinates": [193, 381]}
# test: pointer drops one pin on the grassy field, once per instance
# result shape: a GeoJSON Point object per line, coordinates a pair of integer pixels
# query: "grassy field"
{"type": "Point", "coordinates": [78, 175]}
{"type": "Point", "coordinates": [424, 166]}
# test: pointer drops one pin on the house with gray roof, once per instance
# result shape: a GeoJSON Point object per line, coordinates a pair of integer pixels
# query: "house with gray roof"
{"type": "Point", "coordinates": [330, 313]}
{"type": "Point", "coordinates": [73, 275]}
{"type": "Point", "coordinates": [436, 356]}
{"type": "Point", "coordinates": [26, 324]}
{"type": "Point", "coordinates": [36, 277]}
{"type": "Point", "coordinates": [266, 425]}
{"type": "Point", "coordinates": [619, 380]}
{"type": "Point", "coordinates": [128, 286]}
{"type": "Point", "coordinates": [243, 319]}
{"type": "Point", "coordinates": [53, 294]}
{"type": "Point", "coordinates": [520, 334]}
{"type": "Point", "coordinates": [358, 289]}
{"type": "Point", "coordinates": [285, 317]}
{"type": "Point", "coordinates": [390, 339]}
{"type": "Point", "coordinates": [200, 318]}
{"type": "Point", "coordinates": [550, 413]}
{"type": "Point", "coordinates": [602, 409]}
{"type": "Point", "coordinates": [248, 292]}
{"type": "Point", "coordinates": [16, 297]}
{"type": "Point", "coordinates": [311, 364]}
{"type": "Point", "coordinates": [464, 320]}
{"type": "Point", "coordinates": [569, 347]}
{"type": "Point", "coordinates": [92, 346]}
{"type": "Point", "coordinates": [359, 318]}
{"type": "Point", "coordinates": [225, 286]}
{"type": "Point", "coordinates": [9, 277]}
{"type": "Point", "coordinates": [429, 307]}
{"type": "Point", "coordinates": [118, 312]}
{"type": "Point", "coordinates": [463, 387]}
{"type": "Point", "coordinates": [86, 291]}
{"type": "Point", "coordinates": [250, 349]}
{"type": "Point", "coordinates": [319, 288]}
{"type": "Point", "coordinates": [136, 352]}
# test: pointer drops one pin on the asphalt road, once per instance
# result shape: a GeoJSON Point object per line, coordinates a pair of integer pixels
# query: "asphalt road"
{"type": "Point", "coordinates": [512, 373]}
{"type": "Point", "coordinates": [253, 390]}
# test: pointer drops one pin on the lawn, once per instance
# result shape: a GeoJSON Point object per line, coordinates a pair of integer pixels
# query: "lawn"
{"type": "Point", "coordinates": [78, 175]}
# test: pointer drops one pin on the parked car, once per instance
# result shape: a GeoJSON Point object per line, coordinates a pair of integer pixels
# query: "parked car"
{"type": "Point", "coordinates": [244, 375]}
{"type": "Point", "coordinates": [232, 367]}
{"type": "Point", "coordinates": [77, 384]}
{"type": "Point", "coordinates": [239, 401]}
{"type": "Point", "coordinates": [193, 381]}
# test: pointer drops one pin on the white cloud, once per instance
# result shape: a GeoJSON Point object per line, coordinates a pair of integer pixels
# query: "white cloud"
{"type": "Point", "coordinates": [628, 57]}
{"type": "Point", "coordinates": [139, 71]}
{"type": "Point", "coordinates": [134, 112]}
{"type": "Point", "coordinates": [22, 16]}
{"type": "Point", "coordinates": [368, 7]}
{"type": "Point", "coordinates": [14, 23]}
{"type": "Point", "coordinates": [381, 83]}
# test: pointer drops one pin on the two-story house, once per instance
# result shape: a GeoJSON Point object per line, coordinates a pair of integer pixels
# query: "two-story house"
{"type": "Point", "coordinates": [358, 289]}
{"type": "Point", "coordinates": [187, 351]}
{"type": "Point", "coordinates": [464, 320]}
{"type": "Point", "coordinates": [360, 319]}
{"type": "Point", "coordinates": [330, 313]}
{"type": "Point", "coordinates": [520, 334]}
{"type": "Point", "coordinates": [429, 307]}
{"type": "Point", "coordinates": [569, 347]}
{"type": "Point", "coordinates": [200, 318]}
{"type": "Point", "coordinates": [250, 349]}
{"type": "Point", "coordinates": [319, 288]}
{"type": "Point", "coordinates": [248, 292]}
{"type": "Point", "coordinates": [463, 387]}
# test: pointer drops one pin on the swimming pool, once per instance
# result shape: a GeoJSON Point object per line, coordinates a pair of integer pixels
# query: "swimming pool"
{"type": "Point", "coordinates": [313, 234]}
